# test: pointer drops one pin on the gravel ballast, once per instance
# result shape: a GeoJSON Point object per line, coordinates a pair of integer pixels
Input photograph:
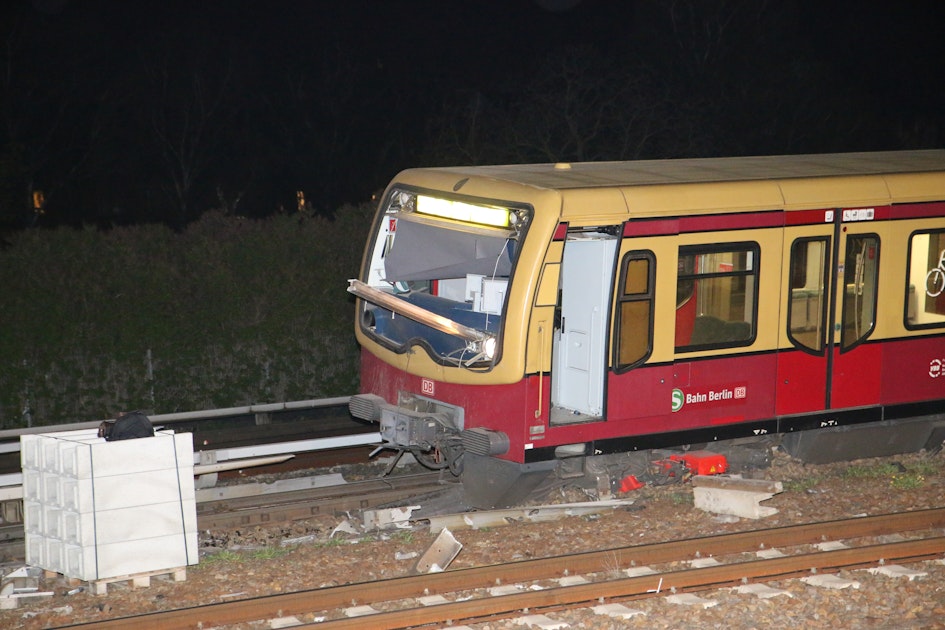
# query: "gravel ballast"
{"type": "Point", "coordinates": [254, 562]}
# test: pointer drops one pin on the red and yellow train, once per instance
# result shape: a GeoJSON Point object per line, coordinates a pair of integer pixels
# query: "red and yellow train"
{"type": "Point", "coordinates": [517, 320]}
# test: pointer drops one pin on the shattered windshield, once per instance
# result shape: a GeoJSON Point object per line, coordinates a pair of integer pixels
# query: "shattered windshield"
{"type": "Point", "coordinates": [438, 276]}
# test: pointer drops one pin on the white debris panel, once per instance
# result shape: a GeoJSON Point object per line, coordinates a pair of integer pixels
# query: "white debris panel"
{"type": "Point", "coordinates": [534, 514]}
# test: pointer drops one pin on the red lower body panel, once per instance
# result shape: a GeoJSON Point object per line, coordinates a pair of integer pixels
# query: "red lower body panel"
{"type": "Point", "coordinates": [688, 395]}
{"type": "Point", "coordinates": [913, 370]}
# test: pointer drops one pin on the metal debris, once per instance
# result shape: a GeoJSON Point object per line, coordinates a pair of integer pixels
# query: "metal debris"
{"type": "Point", "coordinates": [21, 584]}
{"type": "Point", "coordinates": [346, 526]}
{"type": "Point", "coordinates": [388, 518]}
{"type": "Point", "coordinates": [534, 514]}
{"type": "Point", "coordinates": [440, 554]}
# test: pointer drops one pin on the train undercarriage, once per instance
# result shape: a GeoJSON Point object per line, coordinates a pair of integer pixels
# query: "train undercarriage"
{"type": "Point", "coordinates": [430, 432]}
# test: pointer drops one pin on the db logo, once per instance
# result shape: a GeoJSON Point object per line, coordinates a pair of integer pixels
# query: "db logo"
{"type": "Point", "coordinates": [426, 387]}
{"type": "Point", "coordinates": [935, 368]}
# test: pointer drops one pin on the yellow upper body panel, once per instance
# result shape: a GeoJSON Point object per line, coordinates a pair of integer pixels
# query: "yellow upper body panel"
{"type": "Point", "coordinates": [654, 188]}
{"type": "Point", "coordinates": [609, 193]}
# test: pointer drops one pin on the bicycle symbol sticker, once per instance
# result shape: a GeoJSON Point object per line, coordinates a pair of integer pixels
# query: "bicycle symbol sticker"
{"type": "Point", "coordinates": [935, 279]}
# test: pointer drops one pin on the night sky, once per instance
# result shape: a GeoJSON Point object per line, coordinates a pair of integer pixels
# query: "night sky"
{"type": "Point", "coordinates": [123, 112]}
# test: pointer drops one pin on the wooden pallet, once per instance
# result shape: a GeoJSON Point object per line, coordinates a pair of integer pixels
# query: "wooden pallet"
{"type": "Point", "coordinates": [138, 580]}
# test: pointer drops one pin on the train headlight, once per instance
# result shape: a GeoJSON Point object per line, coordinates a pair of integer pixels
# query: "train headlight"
{"type": "Point", "coordinates": [481, 350]}
{"type": "Point", "coordinates": [517, 218]}
{"type": "Point", "coordinates": [488, 347]}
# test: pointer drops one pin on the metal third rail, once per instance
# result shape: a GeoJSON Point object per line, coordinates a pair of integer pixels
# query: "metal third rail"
{"type": "Point", "coordinates": [208, 462]}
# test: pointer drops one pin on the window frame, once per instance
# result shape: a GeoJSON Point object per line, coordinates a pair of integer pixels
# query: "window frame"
{"type": "Point", "coordinates": [755, 272]}
{"type": "Point", "coordinates": [843, 345]}
{"type": "Point", "coordinates": [622, 297]}
{"type": "Point", "coordinates": [378, 249]}
{"type": "Point", "coordinates": [824, 296]}
{"type": "Point", "coordinates": [905, 311]}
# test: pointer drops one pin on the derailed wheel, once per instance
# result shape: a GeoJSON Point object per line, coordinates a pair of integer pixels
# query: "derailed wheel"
{"type": "Point", "coordinates": [431, 459]}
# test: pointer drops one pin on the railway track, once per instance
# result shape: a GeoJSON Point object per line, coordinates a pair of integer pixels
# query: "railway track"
{"type": "Point", "coordinates": [259, 509]}
{"type": "Point", "coordinates": [620, 574]}
{"type": "Point", "coordinates": [229, 511]}
{"type": "Point", "coordinates": [313, 434]}
{"type": "Point", "coordinates": [251, 504]}
{"type": "Point", "coordinates": [237, 429]}
{"type": "Point", "coordinates": [264, 439]}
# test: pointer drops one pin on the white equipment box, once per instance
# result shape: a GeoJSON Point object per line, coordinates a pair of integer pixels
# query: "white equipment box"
{"type": "Point", "coordinates": [94, 510]}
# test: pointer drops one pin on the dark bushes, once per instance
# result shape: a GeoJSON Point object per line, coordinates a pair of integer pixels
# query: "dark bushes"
{"type": "Point", "coordinates": [229, 312]}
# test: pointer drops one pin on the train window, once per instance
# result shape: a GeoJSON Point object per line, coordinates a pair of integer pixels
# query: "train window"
{"type": "Point", "coordinates": [438, 275]}
{"type": "Point", "coordinates": [635, 310]}
{"type": "Point", "coordinates": [925, 280]}
{"type": "Point", "coordinates": [861, 272]}
{"type": "Point", "coordinates": [807, 308]}
{"type": "Point", "coordinates": [716, 296]}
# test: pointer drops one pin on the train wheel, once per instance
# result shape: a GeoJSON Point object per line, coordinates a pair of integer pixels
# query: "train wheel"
{"type": "Point", "coordinates": [432, 460]}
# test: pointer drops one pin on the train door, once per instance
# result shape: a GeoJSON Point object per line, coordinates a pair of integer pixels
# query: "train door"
{"type": "Point", "coordinates": [856, 370]}
{"type": "Point", "coordinates": [831, 273]}
{"type": "Point", "coordinates": [579, 355]}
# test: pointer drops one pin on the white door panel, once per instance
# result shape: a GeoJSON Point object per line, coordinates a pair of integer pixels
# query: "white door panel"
{"type": "Point", "coordinates": [580, 359]}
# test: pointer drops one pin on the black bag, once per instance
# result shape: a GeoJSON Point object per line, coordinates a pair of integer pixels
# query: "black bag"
{"type": "Point", "coordinates": [128, 426]}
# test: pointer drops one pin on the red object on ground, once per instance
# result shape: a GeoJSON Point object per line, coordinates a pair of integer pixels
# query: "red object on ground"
{"type": "Point", "coordinates": [703, 462]}
{"type": "Point", "coordinates": [630, 482]}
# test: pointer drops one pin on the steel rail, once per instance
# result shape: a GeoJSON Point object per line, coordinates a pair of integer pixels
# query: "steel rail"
{"type": "Point", "coordinates": [471, 611]}
{"type": "Point", "coordinates": [300, 504]}
{"type": "Point", "coordinates": [210, 462]}
{"type": "Point", "coordinates": [215, 460]}
{"type": "Point", "coordinates": [333, 598]}
{"type": "Point", "coordinates": [276, 505]}
{"type": "Point", "coordinates": [183, 416]}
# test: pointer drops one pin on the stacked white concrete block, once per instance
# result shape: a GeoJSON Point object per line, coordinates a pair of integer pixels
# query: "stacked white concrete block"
{"type": "Point", "coordinates": [95, 510]}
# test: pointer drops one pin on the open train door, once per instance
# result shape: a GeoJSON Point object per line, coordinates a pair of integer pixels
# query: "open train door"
{"type": "Point", "coordinates": [831, 270]}
{"type": "Point", "coordinates": [579, 356]}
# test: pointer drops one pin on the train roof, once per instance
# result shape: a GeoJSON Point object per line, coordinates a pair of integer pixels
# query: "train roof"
{"type": "Point", "coordinates": [563, 176]}
{"type": "Point", "coordinates": [651, 188]}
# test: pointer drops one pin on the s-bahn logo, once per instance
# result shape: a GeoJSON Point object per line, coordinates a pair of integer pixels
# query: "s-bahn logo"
{"type": "Point", "coordinates": [681, 398]}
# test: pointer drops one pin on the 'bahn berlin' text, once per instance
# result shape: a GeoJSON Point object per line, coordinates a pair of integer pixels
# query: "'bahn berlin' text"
{"type": "Point", "coordinates": [681, 398]}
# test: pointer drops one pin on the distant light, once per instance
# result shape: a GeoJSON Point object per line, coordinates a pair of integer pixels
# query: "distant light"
{"type": "Point", "coordinates": [39, 202]}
